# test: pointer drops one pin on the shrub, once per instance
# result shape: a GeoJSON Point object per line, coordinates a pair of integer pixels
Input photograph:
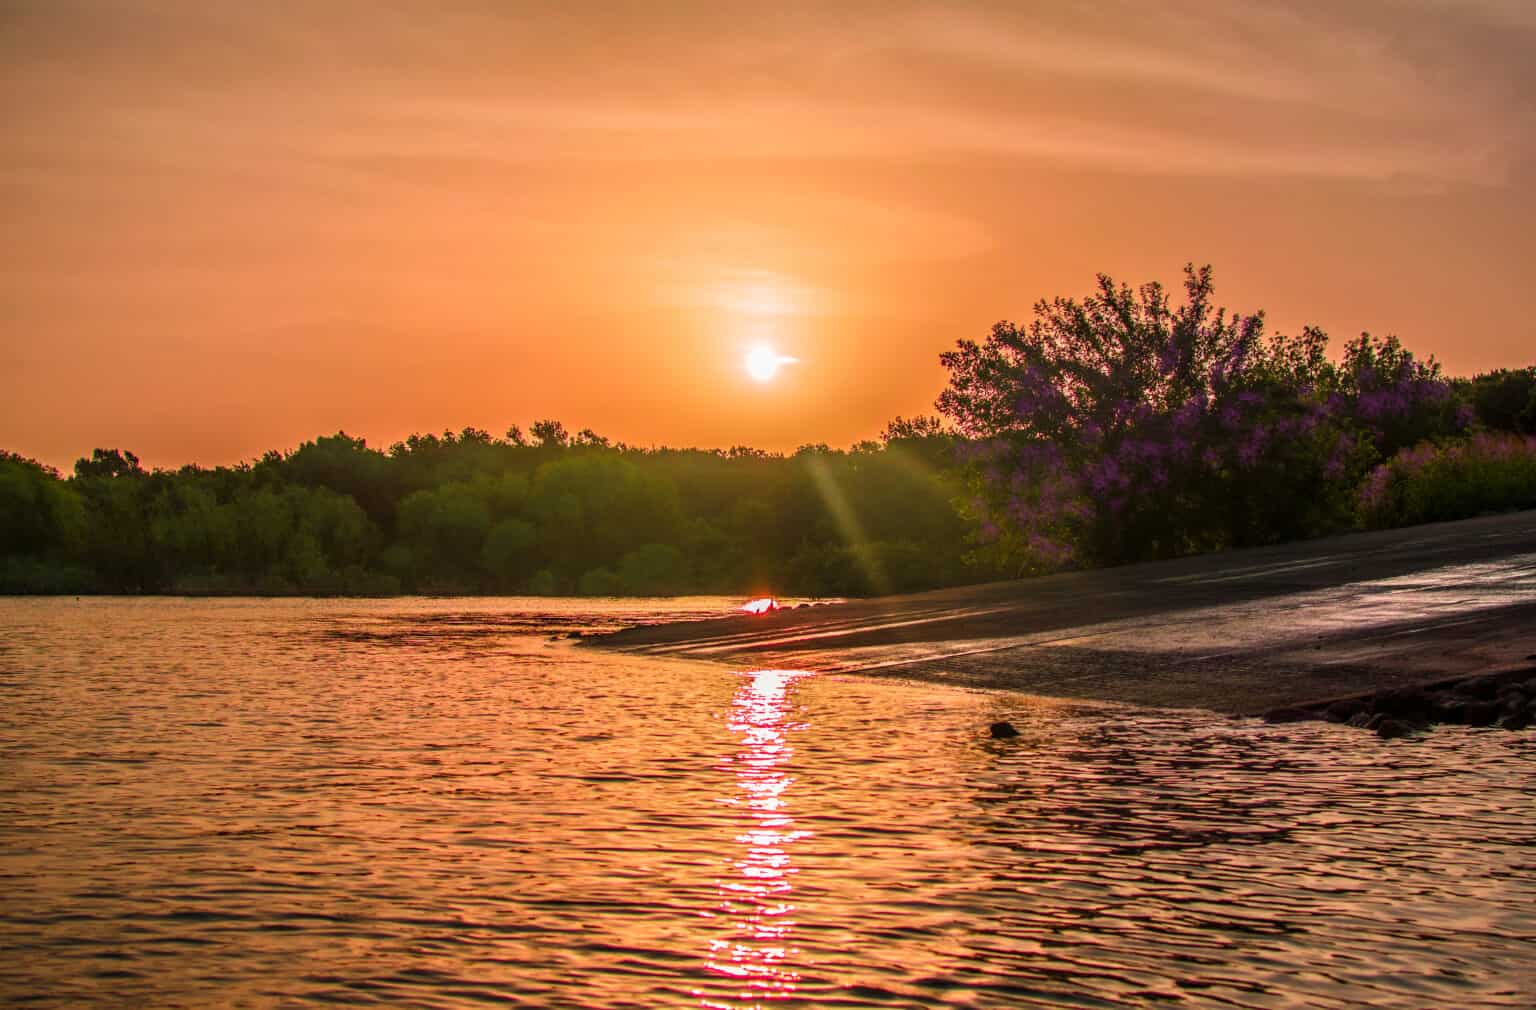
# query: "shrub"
{"type": "Point", "coordinates": [1121, 428]}
{"type": "Point", "coordinates": [600, 581]}
{"type": "Point", "coordinates": [28, 576]}
{"type": "Point", "coordinates": [1452, 480]}
{"type": "Point", "coordinates": [543, 583]}
{"type": "Point", "coordinates": [653, 570]}
{"type": "Point", "coordinates": [1504, 400]}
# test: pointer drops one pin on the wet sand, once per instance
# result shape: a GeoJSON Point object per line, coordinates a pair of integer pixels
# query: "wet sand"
{"type": "Point", "coordinates": [1240, 632]}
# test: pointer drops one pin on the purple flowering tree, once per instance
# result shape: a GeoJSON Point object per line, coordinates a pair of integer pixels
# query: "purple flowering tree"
{"type": "Point", "coordinates": [1393, 397]}
{"type": "Point", "coordinates": [1122, 427]}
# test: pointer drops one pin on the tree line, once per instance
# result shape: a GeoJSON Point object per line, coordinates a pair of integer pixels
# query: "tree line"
{"type": "Point", "coordinates": [545, 513]}
{"type": "Point", "coordinates": [1117, 428]}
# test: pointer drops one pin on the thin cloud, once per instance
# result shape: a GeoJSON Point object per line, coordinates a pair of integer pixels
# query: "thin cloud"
{"type": "Point", "coordinates": [1257, 89]}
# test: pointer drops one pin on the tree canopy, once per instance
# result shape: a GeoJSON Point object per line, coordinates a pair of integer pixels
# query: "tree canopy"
{"type": "Point", "coordinates": [464, 512]}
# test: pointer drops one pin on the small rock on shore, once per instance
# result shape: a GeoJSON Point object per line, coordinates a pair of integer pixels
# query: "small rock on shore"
{"type": "Point", "coordinates": [1506, 698]}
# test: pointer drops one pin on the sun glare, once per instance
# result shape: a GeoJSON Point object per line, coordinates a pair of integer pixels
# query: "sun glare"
{"type": "Point", "coordinates": [763, 362]}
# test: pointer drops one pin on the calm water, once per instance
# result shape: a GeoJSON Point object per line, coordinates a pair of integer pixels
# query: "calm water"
{"type": "Point", "coordinates": [430, 803]}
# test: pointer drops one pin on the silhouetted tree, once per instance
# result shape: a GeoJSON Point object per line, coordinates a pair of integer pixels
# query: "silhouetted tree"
{"type": "Point", "coordinates": [108, 463]}
{"type": "Point", "coordinates": [1504, 400]}
{"type": "Point", "coordinates": [920, 427]}
{"type": "Point", "coordinates": [549, 434]}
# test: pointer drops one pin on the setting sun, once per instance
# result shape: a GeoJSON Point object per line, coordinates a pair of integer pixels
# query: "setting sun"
{"type": "Point", "coordinates": [763, 362]}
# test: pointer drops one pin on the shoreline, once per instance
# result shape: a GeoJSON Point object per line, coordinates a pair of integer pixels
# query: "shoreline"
{"type": "Point", "coordinates": [1241, 633]}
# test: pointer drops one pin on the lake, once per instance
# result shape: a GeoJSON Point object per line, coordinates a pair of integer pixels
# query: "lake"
{"type": "Point", "coordinates": [439, 803]}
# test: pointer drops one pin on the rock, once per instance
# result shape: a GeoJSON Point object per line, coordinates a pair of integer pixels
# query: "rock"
{"type": "Point", "coordinates": [1481, 713]}
{"type": "Point", "coordinates": [1438, 701]}
{"type": "Point", "coordinates": [1454, 711]}
{"type": "Point", "coordinates": [1275, 715]}
{"type": "Point", "coordinates": [1514, 701]}
{"type": "Point", "coordinates": [1369, 720]}
{"type": "Point", "coordinates": [1345, 710]}
{"type": "Point", "coordinates": [1479, 687]}
{"type": "Point", "coordinates": [1391, 729]}
{"type": "Point", "coordinates": [1002, 730]}
{"type": "Point", "coordinates": [1518, 720]}
{"type": "Point", "coordinates": [1404, 703]}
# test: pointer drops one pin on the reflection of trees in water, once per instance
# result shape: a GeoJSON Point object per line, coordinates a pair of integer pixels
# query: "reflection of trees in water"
{"type": "Point", "coordinates": [757, 900]}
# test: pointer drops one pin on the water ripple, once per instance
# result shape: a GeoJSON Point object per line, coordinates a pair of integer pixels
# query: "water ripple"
{"type": "Point", "coordinates": [244, 803]}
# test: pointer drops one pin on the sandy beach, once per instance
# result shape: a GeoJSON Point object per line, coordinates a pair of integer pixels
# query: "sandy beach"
{"type": "Point", "coordinates": [1241, 632]}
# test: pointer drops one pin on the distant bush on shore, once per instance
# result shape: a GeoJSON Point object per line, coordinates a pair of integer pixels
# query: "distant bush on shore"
{"type": "Point", "coordinates": [1490, 472]}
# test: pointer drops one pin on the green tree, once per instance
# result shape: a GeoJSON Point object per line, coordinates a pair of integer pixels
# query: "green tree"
{"type": "Point", "coordinates": [1504, 400]}
{"type": "Point", "coordinates": [600, 581]}
{"type": "Point", "coordinates": [347, 466]}
{"type": "Point", "coordinates": [108, 463]}
{"type": "Point", "coordinates": [549, 434]}
{"type": "Point", "coordinates": [592, 509]}
{"type": "Point", "coordinates": [446, 529]}
{"type": "Point", "coordinates": [508, 552]}
{"type": "Point", "coordinates": [119, 545]}
{"type": "Point", "coordinates": [653, 570]}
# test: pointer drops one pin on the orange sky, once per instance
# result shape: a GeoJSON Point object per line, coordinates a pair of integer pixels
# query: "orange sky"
{"type": "Point", "coordinates": [227, 228]}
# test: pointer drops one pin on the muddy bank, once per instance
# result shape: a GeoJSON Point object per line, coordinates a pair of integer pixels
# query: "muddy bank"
{"type": "Point", "coordinates": [1243, 632]}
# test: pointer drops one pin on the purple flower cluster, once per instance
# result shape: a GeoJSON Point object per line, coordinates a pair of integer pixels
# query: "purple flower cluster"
{"type": "Point", "coordinates": [1382, 389]}
{"type": "Point", "coordinates": [1115, 428]}
{"type": "Point", "coordinates": [1222, 441]}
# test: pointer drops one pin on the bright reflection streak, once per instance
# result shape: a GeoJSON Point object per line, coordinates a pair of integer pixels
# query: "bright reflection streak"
{"type": "Point", "coordinates": [757, 901]}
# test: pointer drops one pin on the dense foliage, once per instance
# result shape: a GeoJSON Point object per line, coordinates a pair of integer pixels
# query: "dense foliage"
{"type": "Point", "coordinates": [1486, 473]}
{"type": "Point", "coordinates": [1121, 428]}
{"type": "Point", "coordinates": [467, 512]}
{"type": "Point", "coordinates": [1503, 400]}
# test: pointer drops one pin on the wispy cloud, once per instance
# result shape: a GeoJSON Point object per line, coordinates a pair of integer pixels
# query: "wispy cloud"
{"type": "Point", "coordinates": [1417, 89]}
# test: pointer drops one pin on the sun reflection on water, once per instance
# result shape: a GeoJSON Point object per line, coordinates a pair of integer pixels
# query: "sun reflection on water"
{"type": "Point", "coordinates": [757, 900]}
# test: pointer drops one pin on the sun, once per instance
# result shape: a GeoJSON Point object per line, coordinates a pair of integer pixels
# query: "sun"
{"type": "Point", "coordinates": [763, 362]}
